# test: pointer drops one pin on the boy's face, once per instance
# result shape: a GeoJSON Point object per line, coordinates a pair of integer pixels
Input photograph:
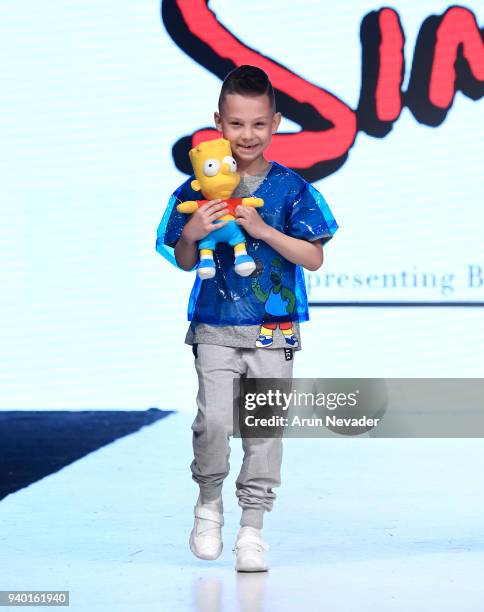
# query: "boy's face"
{"type": "Point", "coordinates": [248, 122]}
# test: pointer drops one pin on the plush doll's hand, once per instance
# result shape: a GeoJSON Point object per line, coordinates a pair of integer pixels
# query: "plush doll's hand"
{"type": "Point", "coordinates": [255, 202]}
{"type": "Point", "coordinates": [251, 221]}
{"type": "Point", "coordinates": [201, 222]}
{"type": "Point", "coordinates": [189, 206]}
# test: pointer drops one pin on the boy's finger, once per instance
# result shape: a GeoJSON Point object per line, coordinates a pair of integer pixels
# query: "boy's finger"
{"type": "Point", "coordinates": [221, 206]}
{"type": "Point", "coordinates": [213, 210]}
{"type": "Point", "coordinates": [242, 211]}
{"type": "Point", "coordinates": [215, 215]}
{"type": "Point", "coordinates": [217, 205]}
{"type": "Point", "coordinates": [210, 204]}
{"type": "Point", "coordinates": [214, 226]}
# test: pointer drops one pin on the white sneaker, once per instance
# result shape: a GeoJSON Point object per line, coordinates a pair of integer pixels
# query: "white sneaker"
{"type": "Point", "coordinates": [206, 535]}
{"type": "Point", "coordinates": [250, 550]}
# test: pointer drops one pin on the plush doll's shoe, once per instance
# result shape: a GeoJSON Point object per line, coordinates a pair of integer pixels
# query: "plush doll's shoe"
{"type": "Point", "coordinates": [244, 265]}
{"type": "Point", "coordinates": [250, 550]}
{"type": "Point", "coordinates": [206, 535]}
{"type": "Point", "coordinates": [263, 341]}
{"type": "Point", "coordinates": [206, 269]}
{"type": "Point", "coordinates": [292, 341]}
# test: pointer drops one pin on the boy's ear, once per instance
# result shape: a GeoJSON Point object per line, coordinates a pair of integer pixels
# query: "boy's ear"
{"type": "Point", "coordinates": [195, 185]}
{"type": "Point", "coordinates": [276, 120]}
{"type": "Point", "coordinates": [218, 120]}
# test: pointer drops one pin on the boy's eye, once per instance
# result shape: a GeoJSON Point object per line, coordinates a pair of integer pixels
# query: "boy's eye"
{"type": "Point", "coordinates": [211, 167]}
{"type": "Point", "coordinates": [258, 124]}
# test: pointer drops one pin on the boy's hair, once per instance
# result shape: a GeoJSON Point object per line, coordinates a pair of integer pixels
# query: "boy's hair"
{"type": "Point", "coordinates": [247, 80]}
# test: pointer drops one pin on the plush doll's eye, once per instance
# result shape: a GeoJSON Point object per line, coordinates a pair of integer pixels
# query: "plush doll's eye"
{"type": "Point", "coordinates": [231, 162]}
{"type": "Point", "coordinates": [211, 167]}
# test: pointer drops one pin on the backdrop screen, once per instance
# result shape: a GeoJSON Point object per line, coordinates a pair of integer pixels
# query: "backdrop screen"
{"type": "Point", "coordinates": [101, 102]}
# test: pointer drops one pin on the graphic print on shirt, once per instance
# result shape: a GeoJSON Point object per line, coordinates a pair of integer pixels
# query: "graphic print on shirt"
{"type": "Point", "coordinates": [279, 303]}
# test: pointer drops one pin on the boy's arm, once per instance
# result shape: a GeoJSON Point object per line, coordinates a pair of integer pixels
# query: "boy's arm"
{"type": "Point", "coordinates": [199, 225]}
{"type": "Point", "coordinates": [301, 252]}
{"type": "Point", "coordinates": [186, 253]}
{"type": "Point", "coordinates": [307, 254]}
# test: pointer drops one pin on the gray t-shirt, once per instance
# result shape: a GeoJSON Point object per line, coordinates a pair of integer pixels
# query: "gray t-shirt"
{"type": "Point", "coordinates": [238, 336]}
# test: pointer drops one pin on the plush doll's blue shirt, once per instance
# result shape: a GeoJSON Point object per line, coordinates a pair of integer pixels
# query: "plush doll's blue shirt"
{"type": "Point", "coordinates": [292, 206]}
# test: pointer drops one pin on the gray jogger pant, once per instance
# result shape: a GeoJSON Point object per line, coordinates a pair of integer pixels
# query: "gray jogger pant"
{"type": "Point", "coordinates": [217, 367]}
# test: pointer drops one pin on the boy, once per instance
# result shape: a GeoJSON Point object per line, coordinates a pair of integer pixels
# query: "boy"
{"type": "Point", "coordinates": [234, 320]}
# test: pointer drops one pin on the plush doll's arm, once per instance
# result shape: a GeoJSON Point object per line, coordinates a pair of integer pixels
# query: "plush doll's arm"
{"type": "Point", "coordinates": [187, 207]}
{"type": "Point", "coordinates": [255, 202]}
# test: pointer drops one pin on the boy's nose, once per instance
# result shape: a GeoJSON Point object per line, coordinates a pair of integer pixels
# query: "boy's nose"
{"type": "Point", "coordinates": [225, 169]}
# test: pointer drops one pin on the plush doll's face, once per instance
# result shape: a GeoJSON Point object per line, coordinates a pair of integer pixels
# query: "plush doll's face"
{"type": "Point", "coordinates": [215, 169]}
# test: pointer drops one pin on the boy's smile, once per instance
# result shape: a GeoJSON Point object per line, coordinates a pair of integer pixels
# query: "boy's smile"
{"type": "Point", "coordinates": [248, 121]}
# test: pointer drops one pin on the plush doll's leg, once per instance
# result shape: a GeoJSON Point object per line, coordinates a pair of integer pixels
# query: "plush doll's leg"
{"type": "Point", "coordinates": [206, 267]}
{"type": "Point", "coordinates": [265, 335]}
{"type": "Point", "coordinates": [244, 264]}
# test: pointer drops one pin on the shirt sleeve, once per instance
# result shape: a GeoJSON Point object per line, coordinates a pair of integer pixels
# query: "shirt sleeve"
{"type": "Point", "coordinates": [173, 222]}
{"type": "Point", "coordinates": [310, 217]}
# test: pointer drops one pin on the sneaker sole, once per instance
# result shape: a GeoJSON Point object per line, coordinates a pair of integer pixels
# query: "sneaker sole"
{"type": "Point", "coordinates": [251, 569]}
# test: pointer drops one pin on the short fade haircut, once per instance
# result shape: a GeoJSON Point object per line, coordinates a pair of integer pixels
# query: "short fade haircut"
{"type": "Point", "coordinates": [249, 81]}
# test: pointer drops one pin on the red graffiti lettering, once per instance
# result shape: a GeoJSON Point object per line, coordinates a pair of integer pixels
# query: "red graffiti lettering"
{"type": "Point", "coordinates": [449, 56]}
{"type": "Point", "coordinates": [457, 27]}
{"type": "Point", "coordinates": [302, 149]}
{"type": "Point", "coordinates": [388, 93]}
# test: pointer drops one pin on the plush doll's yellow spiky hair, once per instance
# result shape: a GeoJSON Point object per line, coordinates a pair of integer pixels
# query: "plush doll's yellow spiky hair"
{"type": "Point", "coordinates": [218, 149]}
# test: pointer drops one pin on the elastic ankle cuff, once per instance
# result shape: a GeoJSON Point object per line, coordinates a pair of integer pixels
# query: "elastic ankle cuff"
{"type": "Point", "coordinates": [210, 495]}
{"type": "Point", "coordinates": [252, 517]}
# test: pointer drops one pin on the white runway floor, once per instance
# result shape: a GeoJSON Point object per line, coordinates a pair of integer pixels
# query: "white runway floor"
{"type": "Point", "coordinates": [361, 524]}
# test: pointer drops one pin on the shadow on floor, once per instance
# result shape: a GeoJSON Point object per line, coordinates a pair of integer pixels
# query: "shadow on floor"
{"type": "Point", "coordinates": [34, 444]}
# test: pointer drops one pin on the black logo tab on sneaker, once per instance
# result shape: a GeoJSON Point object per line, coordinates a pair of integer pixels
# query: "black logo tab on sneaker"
{"type": "Point", "coordinates": [288, 354]}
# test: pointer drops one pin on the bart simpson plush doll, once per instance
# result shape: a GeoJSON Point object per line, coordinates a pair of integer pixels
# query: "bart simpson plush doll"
{"type": "Point", "coordinates": [216, 177]}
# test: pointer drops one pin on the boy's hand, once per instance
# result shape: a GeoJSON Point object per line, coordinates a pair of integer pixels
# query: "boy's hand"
{"type": "Point", "coordinates": [201, 222]}
{"type": "Point", "coordinates": [252, 222]}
